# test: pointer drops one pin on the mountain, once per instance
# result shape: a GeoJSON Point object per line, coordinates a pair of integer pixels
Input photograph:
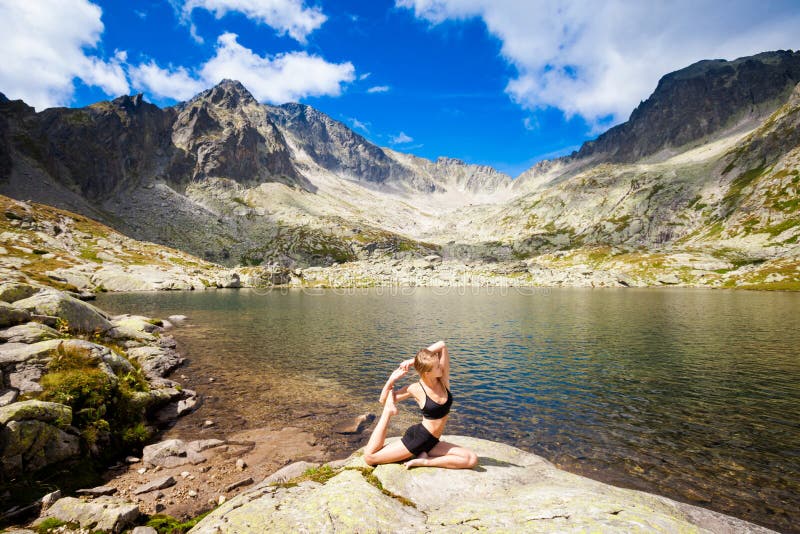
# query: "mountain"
{"type": "Point", "coordinates": [222, 176]}
{"type": "Point", "coordinates": [700, 182]}
{"type": "Point", "coordinates": [688, 107]}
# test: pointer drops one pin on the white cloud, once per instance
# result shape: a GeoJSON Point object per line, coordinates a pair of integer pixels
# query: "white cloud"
{"type": "Point", "coordinates": [358, 125]}
{"type": "Point", "coordinates": [43, 47]}
{"type": "Point", "coordinates": [401, 139]}
{"type": "Point", "coordinates": [364, 76]}
{"type": "Point", "coordinates": [287, 16]}
{"type": "Point", "coordinates": [282, 78]}
{"type": "Point", "coordinates": [599, 59]}
{"type": "Point", "coordinates": [176, 83]}
{"type": "Point", "coordinates": [378, 89]}
{"type": "Point", "coordinates": [530, 123]}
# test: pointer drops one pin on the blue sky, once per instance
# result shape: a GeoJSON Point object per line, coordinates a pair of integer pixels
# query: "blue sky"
{"type": "Point", "coordinates": [496, 82]}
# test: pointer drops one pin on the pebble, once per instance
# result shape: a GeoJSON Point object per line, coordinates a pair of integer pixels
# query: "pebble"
{"type": "Point", "coordinates": [208, 422]}
{"type": "Point", "coordinates": [192, 493]}
{"type": "Point", "coordinates": [132, 460]}
{"type": "Point", "coordinates": [211, 379]}
{"type": "Point", "coordinates": [142, 470]}
{"type": "Point", "coordinates": [221, 500]}
{"type": "Point", "coordinates": [205, 468]}
{"type": "Point", "coordinates": [240, 464]}
{"type": "Point", "coordinates": [185, 474]}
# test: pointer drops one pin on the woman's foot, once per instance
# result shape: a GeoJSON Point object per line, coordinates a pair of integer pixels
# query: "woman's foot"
{"type": "Point", "coordinates": [419, 461]}
{"type": "Point", "coordinates": [390, 408]}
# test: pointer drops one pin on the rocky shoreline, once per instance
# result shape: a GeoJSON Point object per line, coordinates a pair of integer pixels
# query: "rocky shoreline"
{"type": "Point", "coordinates": [78, 383]}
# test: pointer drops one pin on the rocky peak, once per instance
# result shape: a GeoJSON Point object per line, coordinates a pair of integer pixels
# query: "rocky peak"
{"type": "Point", "coordinates": [230, 94]}
{"type": "Point", "coordinates": [334, 146]}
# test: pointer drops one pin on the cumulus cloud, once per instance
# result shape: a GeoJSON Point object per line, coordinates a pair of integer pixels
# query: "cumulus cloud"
{"type": "Point", "coordinates": [44, 49]}
{"type": "Point", "coordinates": [174, 83]}
{"type": "Point", "coordinates": [378, 89]}
{"type": "Point", "coordinates": [599, 59]}
{"type": "Point", "coordinates": [281, 78]}
{"type": "Point", "coordinates": [277, 79]}
{"type": "Point", "coordinates": [401, 139]}
{"type": "Point", "coordinates": [286, 16]}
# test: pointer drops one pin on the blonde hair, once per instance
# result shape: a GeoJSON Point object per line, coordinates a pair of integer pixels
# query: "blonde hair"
{"type": "Point", "coordinates": [424, 360]}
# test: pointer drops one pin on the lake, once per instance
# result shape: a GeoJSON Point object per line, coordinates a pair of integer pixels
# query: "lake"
{"type": "Point", "coordinates": [692, 394]}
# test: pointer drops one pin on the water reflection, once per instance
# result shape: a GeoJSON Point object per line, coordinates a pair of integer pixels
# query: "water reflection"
{"type": "Point", "coordinates": [687, 393]}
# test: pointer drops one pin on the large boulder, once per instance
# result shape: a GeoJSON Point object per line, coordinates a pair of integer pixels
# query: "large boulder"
{"type": "Point", "coordinates": [509, 491]}
{"type": "Point", "coordinates": [15, 353]}
{"type": "Point", "coordinates": [14, 291]}
{"type": "Point", "coordinates": [156, 362]}
{"type": "Point", "coordinates": [30, 445]}
{"type": "Point", "coordinates": [11, 315]}
{"type": "Point", "coordinates": [47, 412]}
{"type": "Point", "coordinates": [79, 316]}
{"type": "Point", "coordinates": [105, 514]}
{"type": "Point", "coordinates": [44, 350]}
{"type": "Point", "coordinates": [28, 333]}
{"type": "Point", "coordinates": [26, 363]}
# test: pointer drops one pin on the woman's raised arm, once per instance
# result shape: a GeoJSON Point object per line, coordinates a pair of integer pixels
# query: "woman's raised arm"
{"type": "Point", "coordinates": [440, 347]}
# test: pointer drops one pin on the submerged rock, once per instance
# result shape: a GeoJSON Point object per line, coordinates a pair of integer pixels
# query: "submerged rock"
{"type": "Point", "coordinates": [509, 491]}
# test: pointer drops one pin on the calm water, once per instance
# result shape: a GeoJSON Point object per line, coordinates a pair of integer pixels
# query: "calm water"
{"type": "Point", "coordinates": [692, 394]}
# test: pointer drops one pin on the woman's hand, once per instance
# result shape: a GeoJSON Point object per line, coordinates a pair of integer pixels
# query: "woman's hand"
{"type": "Point", "coordinates": [407, 364]}
{"type": "Point", "coordinates": [398, 373]}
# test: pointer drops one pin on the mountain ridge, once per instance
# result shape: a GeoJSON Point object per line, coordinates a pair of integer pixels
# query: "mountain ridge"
{"type": "Point", "coordinates": [717, 93]}
{"type": "Point", "coordinates": [238, 182]}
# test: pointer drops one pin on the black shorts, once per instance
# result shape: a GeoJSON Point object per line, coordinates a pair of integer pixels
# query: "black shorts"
{"type": "Point", "coordinates": [417, 439]}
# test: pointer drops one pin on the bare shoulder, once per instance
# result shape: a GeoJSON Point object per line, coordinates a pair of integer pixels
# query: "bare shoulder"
{"type": "Point", "coordinates": [416, 391]}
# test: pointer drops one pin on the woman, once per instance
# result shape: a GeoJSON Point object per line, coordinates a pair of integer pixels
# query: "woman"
{"type": "Point", "coordinates": [421, 441]}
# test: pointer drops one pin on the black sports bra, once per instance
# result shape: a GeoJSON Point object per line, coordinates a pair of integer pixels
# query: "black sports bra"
{"type": "Point", "coordinates": [434, 410]}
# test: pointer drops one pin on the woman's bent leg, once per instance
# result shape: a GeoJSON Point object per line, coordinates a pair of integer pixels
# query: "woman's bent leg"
{"type": "Point", "coordinates": [446, 455]}
{"type": "Point", "coordinates": [375, 452]}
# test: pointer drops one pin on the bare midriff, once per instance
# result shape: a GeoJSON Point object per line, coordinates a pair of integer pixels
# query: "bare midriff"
{"type": "Point", "coordinates": [435, 426]}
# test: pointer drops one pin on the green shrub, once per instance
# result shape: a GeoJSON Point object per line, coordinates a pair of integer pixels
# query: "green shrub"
{"type": "Point", "coordinates": [100, 407]}
{"type": "Point", "coordinates": [165, 524]}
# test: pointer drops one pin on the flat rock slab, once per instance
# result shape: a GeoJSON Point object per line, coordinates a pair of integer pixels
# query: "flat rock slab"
{"type": "Point", "coordinates": [158, 484]}
{"type": "Point", "coordinates": [172, 453]}
{"type": "Point", "coordinates": [509, 491]}
{"type": "Point", "coordinates": [105, 513]}
{"type": "Point", "coordinates": [346, 503]}
{"type": "Point", "coordinates": [99, 491]}
{"type": "Point", "coordinates": [28, 333]}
